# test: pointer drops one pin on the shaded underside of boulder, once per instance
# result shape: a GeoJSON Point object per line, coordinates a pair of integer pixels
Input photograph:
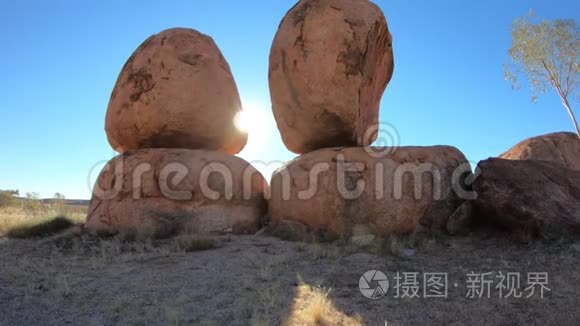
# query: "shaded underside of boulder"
{"type": "Point", "coordinates": [177, 190]}
{"type": "Point", "coordinates": [335, 191]}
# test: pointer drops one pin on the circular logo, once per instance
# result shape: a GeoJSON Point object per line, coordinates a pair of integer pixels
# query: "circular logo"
{"type": "Point", "coordinates": [373, 284]}
{"type": "Point", "coordinates": [385, 137]}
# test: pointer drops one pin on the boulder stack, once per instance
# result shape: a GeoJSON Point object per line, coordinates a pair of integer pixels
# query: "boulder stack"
{"type": "Point", "coordinates": [330, 63]}
{"type": "Point", "coordinates": [171, 116]}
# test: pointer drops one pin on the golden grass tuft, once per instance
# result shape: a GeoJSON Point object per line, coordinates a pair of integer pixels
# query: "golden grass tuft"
{"type": "Point", "coordinates": [313, 306]}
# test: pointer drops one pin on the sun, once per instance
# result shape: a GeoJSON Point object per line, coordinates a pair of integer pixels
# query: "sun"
{"type": "Point", "coordinates": [242, 121]}
{"type": "Point", "coordinates": [257, 122]}
{"type": "Point", "coordinates": [252, 120]}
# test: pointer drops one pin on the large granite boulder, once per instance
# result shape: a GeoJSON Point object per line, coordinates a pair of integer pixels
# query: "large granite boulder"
{"type": "Point", "coordinates": [175, 91]}
{"type": "Point", "coordinates": [330, 63]}
{"type": "Point", "coordinates": [178, 189]}
{"type": "Point", "coordinates": [333, 192]}
{"type": "Point", "coordinates": [528, 197]}
{"type": "Point", "coordinates": [561, 147]}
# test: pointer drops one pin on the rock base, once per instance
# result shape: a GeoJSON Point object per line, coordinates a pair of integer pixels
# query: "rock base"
{"type": "Point", "coordinates": [333, 192]}
{"type": "Point", "coordinates": [174, 190]}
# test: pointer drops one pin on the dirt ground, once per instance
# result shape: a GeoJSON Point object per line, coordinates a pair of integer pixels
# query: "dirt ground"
{"type": "Point", "coordinates": [260, 280]}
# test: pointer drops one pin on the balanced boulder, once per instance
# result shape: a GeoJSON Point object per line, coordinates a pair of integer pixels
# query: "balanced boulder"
{"type": "Point", "coordinates": [333, 192]}
{"type": "Point", "coordinates": [528, 197]}
{"type": "Point", "coordinates": [178, 189]}
{"type": "Point", "coordinates": [175, 91]}
{"type": "Point", "coordinates": [562, 148]}
{"type": "Point", "coordinates": [330, 63]}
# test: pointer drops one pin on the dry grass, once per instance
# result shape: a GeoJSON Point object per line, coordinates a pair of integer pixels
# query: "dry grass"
{"type": "Point", "coordinates": [250, 280]}
{"type": "Point", "coordinates": [313, 306]}
{"type": "Point", "coordinates": [322, 251]}
{"type": "Point", "coordinates": [263, 294]}
{"type": "Point", "coordinates": [319, 306]}
{"type": "Point", "coordinates": [190, 243]}
{"type": "Point", "coordinates": [19, 222]}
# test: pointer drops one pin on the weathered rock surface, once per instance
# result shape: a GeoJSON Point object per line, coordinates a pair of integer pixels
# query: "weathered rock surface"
{"type": "Point", "coordinates": [330, 63]}
{"type": "Point", "coordinates": [460, 221]}
{"type": "Point", "coordinates": [560, 147]}
{"type": "Point", "coordinates": [528, 197]}
{"type": "Point", "coordinates": [334, 192]}
{"type": "Point", "coordinates": [178, 189]}
{"type": "Point", "coordinates": [175, 91]}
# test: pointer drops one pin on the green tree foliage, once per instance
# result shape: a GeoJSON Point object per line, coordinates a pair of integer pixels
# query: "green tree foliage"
{"type": "Point", "coordinates": [59, 201]}
{"type": "Point", "coordinates": [546, 53]}
{"type": "Point", "coordinates": [32, 196]}
{"type": "Point", "coordinates": [59, 196]}
{"type": "Point", "coordinates": [32, 202]}
{"type": "Point", "coordinates": [8, 197]}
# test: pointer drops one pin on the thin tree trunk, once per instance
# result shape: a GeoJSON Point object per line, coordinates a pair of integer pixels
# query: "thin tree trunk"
{"type": "Point", "coordinates": [569, 109]}
{"type": "Point", "coordinates": [563, 98]}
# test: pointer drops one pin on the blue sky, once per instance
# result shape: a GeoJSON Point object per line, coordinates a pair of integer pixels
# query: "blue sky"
{"type": "Point", "coordinates": [59, 61]}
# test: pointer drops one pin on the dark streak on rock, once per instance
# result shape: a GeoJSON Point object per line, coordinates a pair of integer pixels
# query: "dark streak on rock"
{"type": "Point", "coordinates": [291, 87]}
{"type": "Point", "coordinates": [300, 13]}
{"type": "Point", "coordinates": [190, 59]}
{"type": "Point", "coordinates": [300, 39]}
{"type": "Point", "coordinates": [299, 17]}
{"type": "Point", "coordinates": [353, 58]}
{"type": "Point", "coordinates": [141, 83]}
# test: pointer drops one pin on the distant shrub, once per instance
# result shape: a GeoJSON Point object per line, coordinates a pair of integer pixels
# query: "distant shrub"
{"type": "Point", "coordinates": [58, 202]}
{"type": "Point", "coordinates": [32, 203]}
{"type": "Point", "coordinates": [7, 197]}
